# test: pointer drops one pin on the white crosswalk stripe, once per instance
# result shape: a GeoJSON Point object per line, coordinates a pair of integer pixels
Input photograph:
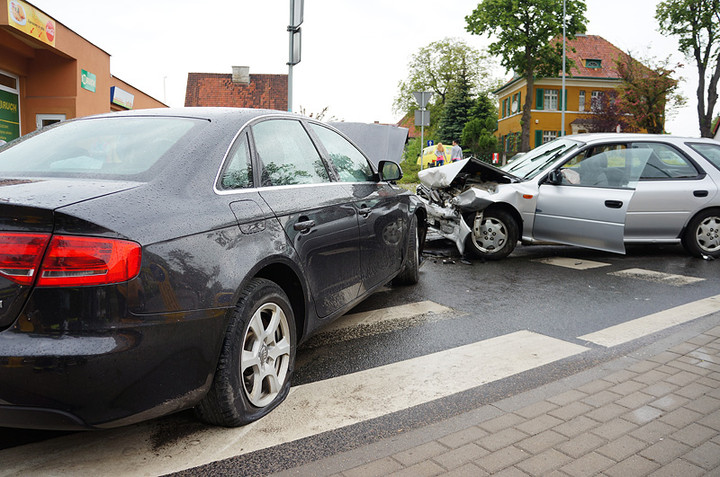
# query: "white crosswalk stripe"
{"type": "Point", "coordinates": [657, 277]}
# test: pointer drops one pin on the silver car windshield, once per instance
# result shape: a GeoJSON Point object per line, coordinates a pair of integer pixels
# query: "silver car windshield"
{"type": "Point", "coordinates": [536, 161]}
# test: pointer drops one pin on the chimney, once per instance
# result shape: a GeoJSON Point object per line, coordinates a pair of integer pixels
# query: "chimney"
{"type": "Point", "coordinates": [241, 74]}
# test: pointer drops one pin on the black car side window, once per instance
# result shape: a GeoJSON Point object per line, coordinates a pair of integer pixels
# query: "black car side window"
{"type": "Point", "coordinates": [286, 155]}
{"type": "Point", "coordinates": [349, 162]}
{"type": "Point", "coordinates": [238, 173]}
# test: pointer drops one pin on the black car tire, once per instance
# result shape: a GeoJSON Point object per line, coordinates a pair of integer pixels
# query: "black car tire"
{"type": "Point", "coordinates": [702, 235]}
{"type": "Point", "coordinates": [257, 358]}
{"type": "Point", "coordinates": [493, 235]}
{"type": "Point", "coordinates": [410, 273]}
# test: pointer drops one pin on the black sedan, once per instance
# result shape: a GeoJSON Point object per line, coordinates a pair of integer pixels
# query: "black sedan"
{"type": "Point", "coordinates": [160, 260]}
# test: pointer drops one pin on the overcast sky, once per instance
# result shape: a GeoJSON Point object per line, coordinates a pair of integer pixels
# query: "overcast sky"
{"type": "Point", "coordinates": [354, 52]}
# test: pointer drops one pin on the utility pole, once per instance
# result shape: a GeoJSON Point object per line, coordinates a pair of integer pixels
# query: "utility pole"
{"type": "Point", "coordinates": [296, 19]}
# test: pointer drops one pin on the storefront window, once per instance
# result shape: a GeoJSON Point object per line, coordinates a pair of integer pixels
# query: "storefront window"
{"type": "Point", "coordinates": [9, 107]}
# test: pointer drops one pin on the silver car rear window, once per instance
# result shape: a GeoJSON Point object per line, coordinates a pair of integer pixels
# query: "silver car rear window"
{"type": "Point", "coordinates": [711, 152]}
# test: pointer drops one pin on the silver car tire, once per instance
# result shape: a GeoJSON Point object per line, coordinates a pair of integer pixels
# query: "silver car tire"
{"type": "Point", "coordinates": [493, 234]}
{"type": "Point", "coordinates": [257, 358]}
{"type": "Point", "coordinates": [702, 236]}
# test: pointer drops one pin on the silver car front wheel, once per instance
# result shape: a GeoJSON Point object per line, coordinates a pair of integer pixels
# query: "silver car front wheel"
{"type": "Point", "coordinates": [493, 235]}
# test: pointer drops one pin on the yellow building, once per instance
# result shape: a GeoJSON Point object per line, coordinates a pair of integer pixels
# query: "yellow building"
{"type": "Point", "coordinates": [593, 73]}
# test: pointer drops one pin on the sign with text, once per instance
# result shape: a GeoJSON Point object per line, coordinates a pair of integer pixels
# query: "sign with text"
{"type": "Point", "coordinates": [9, 116]}
{"type": "Point", "coordinates": [88, 81]}
{"type": "Point", "coordinates": [31, 21]}
{"type": "Point", "coordinates": [121, 97]}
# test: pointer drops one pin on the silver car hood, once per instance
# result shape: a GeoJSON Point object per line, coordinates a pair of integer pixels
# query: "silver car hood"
{"type": "Point", "coordinates": [443, 176]}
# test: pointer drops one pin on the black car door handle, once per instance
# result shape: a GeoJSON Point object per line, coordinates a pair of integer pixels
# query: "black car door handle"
{"type": "Point", "coordinates": [365, 211]}
{"type": "Point", "coordinates": [304, 226]}
{"type": "Point", "coordinates": [700, 193]}
{"type": "Point", "coordinates": [613, 204]}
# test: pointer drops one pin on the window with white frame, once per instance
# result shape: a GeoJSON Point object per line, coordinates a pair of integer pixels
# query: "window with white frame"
{"type": "Point", "coordinates": [594, 98]}
{"type": "Point", "coordinates": [549, 136]}
{"type": "Point", "coordinates": [551, 99]}
{"type": "Point", "coordinates": [581, 101]}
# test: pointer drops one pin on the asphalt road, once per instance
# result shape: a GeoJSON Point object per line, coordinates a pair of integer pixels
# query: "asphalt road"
{"type": "Point", "coordinates": [564, 294]}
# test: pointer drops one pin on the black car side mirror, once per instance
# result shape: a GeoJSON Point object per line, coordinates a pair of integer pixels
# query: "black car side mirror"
{"type": "Point", "coordinates": [389, 171]}
{"type": "Point", "coordinates": [555, 177]}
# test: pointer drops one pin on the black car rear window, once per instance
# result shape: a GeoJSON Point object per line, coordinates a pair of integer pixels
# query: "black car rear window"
{"type": "Point", "coordinates": [97, 147]}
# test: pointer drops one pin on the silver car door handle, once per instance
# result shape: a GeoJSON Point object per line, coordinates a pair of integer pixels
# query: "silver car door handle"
{"type": "Point", "coordinates": [613, 204]}
{"type": "Point", "coordinates": [365, 211]}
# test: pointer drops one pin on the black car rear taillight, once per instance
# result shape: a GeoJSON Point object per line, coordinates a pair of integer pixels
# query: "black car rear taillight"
{"type": "Point", "coordinates": [68, 261]}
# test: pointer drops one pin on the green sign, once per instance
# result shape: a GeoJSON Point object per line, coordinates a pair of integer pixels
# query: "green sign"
{"type": "Point", "coordinates": [9, 116]}
{"type": "Point", "coordinates": [88, 80]}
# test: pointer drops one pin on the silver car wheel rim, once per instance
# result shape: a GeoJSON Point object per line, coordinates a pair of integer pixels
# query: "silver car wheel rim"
{"type": "Point", "coordinates": [490, 234]}
{"type": "Point", "coordinates": [265, 354]}
{"type": "Point", "coordinates": [708, 234]}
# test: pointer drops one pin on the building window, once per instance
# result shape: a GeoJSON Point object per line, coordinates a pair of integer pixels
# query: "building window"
{"type": "Point", "coordinates": [581, 102]}
{"type": "Point", "coordinates": [551, 99]}
{"type": "Point", "coordinates": [549, 136]}
{"type": "Point", "coordinates": [595, 99]}
{"type": "Point", "coordinates": [594, 64]}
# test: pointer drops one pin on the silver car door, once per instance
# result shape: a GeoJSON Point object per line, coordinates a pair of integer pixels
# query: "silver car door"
{"type": "Point", "coordinates": [589, 207]}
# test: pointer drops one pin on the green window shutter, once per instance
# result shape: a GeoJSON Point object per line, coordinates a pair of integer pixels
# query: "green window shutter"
{"type": "Point", "coordinates": [520, 108]}
{"type": "Point", "coordinates": [539, 96]}
{"type": "Point", "coordinates": [538, 138]}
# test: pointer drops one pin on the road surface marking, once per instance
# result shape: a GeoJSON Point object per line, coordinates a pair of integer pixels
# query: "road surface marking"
{"type": "Point", "coordinates": [310, 409]}
{"type": "Point", "coordinates": [631, 330]}
{"type": "Point", "coordinates": [574, 263]}
{"type": "Point", "coordinates": [657, 277]}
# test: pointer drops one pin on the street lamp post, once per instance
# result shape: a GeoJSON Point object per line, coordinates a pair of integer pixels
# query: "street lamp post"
{"type": "Point", "coordinates": [296, 18]}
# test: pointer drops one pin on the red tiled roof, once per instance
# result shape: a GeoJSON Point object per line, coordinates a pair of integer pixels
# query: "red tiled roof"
{"type": "Point", "coordinates": [217, 89]}
{"type": "Point", "coordinates": [592, 47]}
{"type": "Point", "coordinates": [408, 121]}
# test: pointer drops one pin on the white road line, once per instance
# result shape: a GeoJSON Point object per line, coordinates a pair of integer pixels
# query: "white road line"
{"type": "Point", "coordinates": [631, 330]}
{"type": "Point", "coordinates": [400, 312]}
{"type": "Point", "coordinates": [657, 277]}
{"type": "Point", "coordinates": [309, 410]}
{"type": "Point", "coordinates": [574, 263]}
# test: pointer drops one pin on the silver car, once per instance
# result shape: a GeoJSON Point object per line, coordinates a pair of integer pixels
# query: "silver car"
{"type": "Point", "coordinates": [599, 191]}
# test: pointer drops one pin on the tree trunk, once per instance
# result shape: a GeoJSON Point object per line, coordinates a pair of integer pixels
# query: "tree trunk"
{"type": "Point", "coordinates": [526, 115]}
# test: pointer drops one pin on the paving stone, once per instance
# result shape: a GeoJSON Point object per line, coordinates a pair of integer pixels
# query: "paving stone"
{"type": "Point", "coordinates": [663, 357]}
{"type": "Point", "coordinates": [620, 376]}
{"type": "Point", "coordinates": [693, 435]}
{"type": "Point", "coordinates": [537, 409]}
{"type": "Point", "coordinates": [712, 420]}
{"type": "Point", "coordinates": [679, 467]}
{"type": "Point", "coordinates": [501, 439]}
{"type": "Point", "coordinates": [653, 432]}
{"type": "Point", "coordinates": [571, 410]}
{"type": "Point", "coordinates": [510, 472]}
{"type": "Point", "coordinates": [665, 451]}
{"type": "Point", "coordinates": [501, 459]}
{"type": "Point", "coordinates": [690, 368]}
{"type": "Point", "coordinates": [576, 427]}
{"type": "Point", "coordinates": [694, 390]}
{"type": "Point", "coordinates": [462, 437]}
{"type": "Point", "coordinates": [587, 465]}
{"type": "Point", "coordinates": [467, 469]}
{"type": "Point", "coordinates": [421, 469]}
{"type": "Point", "coordinates": [594, 386]}
{"type": "Point", "coordinates": [651, 377]}
{"type": "Point", "coordinates": [460, 456]}
{"type": "Point", "coordinates": [607, 412]}
{"type": "Point", "coordinates": [669, 402]}
{"type": "Point", "coordinates": [706, 456]}
{"type": "Point", "coordinates": [542, 441]}
{"type": "Point", "coordinates": [701, 339]}
{"type": "Point", "coordinates": [642, 366]}
{"type": "Point", "coordinates": [614, 429]}
{"type": "Point", "coordinates": [420, 453]}
{"type": "Point", "coordinates": [681, 417]}
{"type": "Point", "coordinates": [503, 422]}
{"type": "Point", "coordinates": [684, 348]}
{"type": "Point", "coordinates": [633, 466]}
{"type": "Point", "coordinates": [660, 389]}
{"type": "Point", "coordinates": [704, 404]}
{"type": "Point", "coordinates": [626, 387]}
{"type": "Point", "coordinates": [635, 400]}
{"type": "Point", "coordinates": [683, 378]}
{"type": "Point", "coordinates": [544, 462]}
{"type": "Point", "coordinates": [601, 398]}
{"type": "Point", "coordinates": [581, 445]}
{"type": "Point", "coordinates": [539, 424]}
{"type": "Point", "coordinates": [622, 448]}
{"type": "Point", "coordinates": [375, 468]}
{"type": "Point", "coordinates": [643, 415]}
{"type": "Point", "coordinates": [567, 397]}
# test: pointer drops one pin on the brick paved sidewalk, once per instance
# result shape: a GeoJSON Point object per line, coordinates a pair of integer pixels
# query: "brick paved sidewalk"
{"type": "Point", "coordinates": [657, 416]}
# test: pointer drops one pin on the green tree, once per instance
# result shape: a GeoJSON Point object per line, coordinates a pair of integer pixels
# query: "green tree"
{"type": "Point", "coordinates": [697, 24]}
{"type": "Point", "coordinates": [524, 32]}
{"type": "Point", "coordinates": [457, 108]}
{"type": "Point", "coordinates": [435, 68]}
{"type": "Point", "coordinates": [645, 92]}
{"type": "Point", "coordinates": [478, 134]}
